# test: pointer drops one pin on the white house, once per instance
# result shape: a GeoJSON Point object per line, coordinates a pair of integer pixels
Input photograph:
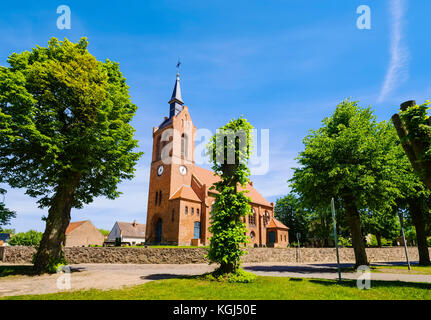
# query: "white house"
{"type": "Point", "coordinates": [128, 233]}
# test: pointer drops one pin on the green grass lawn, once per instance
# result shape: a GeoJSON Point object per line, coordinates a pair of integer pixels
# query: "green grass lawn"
{"type": "Point", "coordinates": [399, 269]}
{"type": "Point", "coordinates": [265, 288]}
{"type": "Point", "coordinates": [415, 269]}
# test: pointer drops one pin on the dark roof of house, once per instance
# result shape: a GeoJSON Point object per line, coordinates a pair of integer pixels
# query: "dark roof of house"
{"type": "Point", "coordinates": [132, 229]}
{"type": "Point", "coordinates": [4, 236]}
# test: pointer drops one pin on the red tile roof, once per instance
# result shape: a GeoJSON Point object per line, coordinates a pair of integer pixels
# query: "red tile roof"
{"type": "Point", "coordinates": [73, 225]}
{"type": "Point", "coordinates": [274, 223]}
{"type": "Point", "coordinates": [185, 192]}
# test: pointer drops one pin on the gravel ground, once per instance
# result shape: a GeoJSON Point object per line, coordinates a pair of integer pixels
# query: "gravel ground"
{"type": "Point", "coordinates": [115, 276]}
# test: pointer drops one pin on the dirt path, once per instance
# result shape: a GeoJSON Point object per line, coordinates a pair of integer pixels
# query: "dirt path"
{"type": "Point", "coordinates": [114, 276]}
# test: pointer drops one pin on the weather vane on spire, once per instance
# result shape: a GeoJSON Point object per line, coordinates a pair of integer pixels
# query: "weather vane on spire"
{"type": "Point", "coordinates": [178, 66]}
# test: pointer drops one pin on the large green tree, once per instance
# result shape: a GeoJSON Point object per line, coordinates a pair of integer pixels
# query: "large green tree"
{"type": "Point", "coordinates": [351, 158]}
{"type": "Point", "coordinates": [290, 212]}
{"type": "Point", "coordinates": [382, 224]}
{"type": "Point", "coordinates": [230, 150]}
{"type": "Point", "coordinates": [65, 133]}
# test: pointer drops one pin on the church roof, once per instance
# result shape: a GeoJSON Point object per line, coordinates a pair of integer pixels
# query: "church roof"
{"type": "Point", "coordinates": [176, 94]}
{"type": "Point", "coordinates": [185, 192]}
{"type": "Point", "coordinates": [207, 177]}
{"type": "Point", "coordinates": [274, 223]}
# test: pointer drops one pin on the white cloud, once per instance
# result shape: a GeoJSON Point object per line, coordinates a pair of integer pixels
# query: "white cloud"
{"type": "Point", "coordinates": [397, 71]}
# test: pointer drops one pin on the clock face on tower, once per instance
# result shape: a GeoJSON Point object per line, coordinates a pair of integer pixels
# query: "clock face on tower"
{"type": "Point", "coordinates": [160, 171]}
{"type": "Point", "coordinates": [183, 170]}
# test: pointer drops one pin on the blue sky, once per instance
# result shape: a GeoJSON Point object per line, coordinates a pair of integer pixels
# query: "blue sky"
{"type": "Point", "coordinates": [284, 65]}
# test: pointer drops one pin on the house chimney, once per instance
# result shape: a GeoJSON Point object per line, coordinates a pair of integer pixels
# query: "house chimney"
{"type": "Point", "coordinates": [134, 223]}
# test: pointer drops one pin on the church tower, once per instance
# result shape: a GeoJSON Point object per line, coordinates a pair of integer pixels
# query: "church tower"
{"type": "Point", "coordinates": [171, 170]}
{"type": "Point", "coordinates": [180, 198]}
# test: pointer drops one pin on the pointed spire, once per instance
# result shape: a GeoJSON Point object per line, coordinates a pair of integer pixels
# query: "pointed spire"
{"type": "Point", "coordinates": [176, 101]}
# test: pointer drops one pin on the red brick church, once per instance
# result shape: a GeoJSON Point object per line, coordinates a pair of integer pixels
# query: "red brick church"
{"type": "Point", "coordinates": [179, 198]}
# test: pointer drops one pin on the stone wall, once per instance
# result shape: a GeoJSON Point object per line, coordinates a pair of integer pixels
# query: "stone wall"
{"type": "Point", "coordinates": [79, 255]}
{"type": "Point", "coordinates": [17, 254]}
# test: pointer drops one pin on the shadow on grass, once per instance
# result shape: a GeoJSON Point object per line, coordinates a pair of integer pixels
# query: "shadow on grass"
{"type": "Point", "coordinates": [6, 271]}
{"type": "Point", "coordinates": [374, 284]}
{"type": "Point", "coordinates": [165, 276]}
{"type": "Point", "coordinates": [305, 269]}
{"type": "Point", "coordinates": [27, 270]}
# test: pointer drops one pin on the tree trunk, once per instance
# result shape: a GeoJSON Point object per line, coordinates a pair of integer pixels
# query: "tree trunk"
{"type": "Point", "coordinates": [379, 240]}
{"type": "Point", "coordinates": [228, 267]}
{"type": "Point", "coordinates": [51, 246]}
{"type": "Point", "coordinates": [355, 230]}
{"type": "Point", "coordinates": [417, 214]}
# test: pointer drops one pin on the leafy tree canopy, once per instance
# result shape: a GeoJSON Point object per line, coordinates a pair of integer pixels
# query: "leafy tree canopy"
{"type": "Point", "coordinates": [30, 238]}
{"type": "Point", "coordinates": [290, 212]}
{"type": "Point", "coordinates": [64, 112]}
{"type": "Point", "coordinates": [352, 153]}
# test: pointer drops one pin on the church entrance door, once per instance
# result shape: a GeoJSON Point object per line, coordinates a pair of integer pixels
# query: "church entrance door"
{"type": "Point", "coordinates": [271, 235]}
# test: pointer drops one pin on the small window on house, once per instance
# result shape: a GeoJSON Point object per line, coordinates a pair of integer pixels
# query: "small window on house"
{"type": "Point", "coordinates": [160, 198]}
{"type": "Point", "coordinates": [157, 198]}
{"type": "Point", "coordinates": [197, 212]}
{"type": "Point", "coordinates": [193, 211]}
{"type": "Point", "coordinates": [252, 235]}
{"type": "Point", "coordinates": [187, 210]}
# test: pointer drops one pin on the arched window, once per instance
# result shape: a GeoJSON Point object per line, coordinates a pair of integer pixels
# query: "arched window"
{"type": "Point", "coordinates": [159, 148]}
{"type": "Point", "coordinates": [197, 212]}
{"type": "Point", "coordinates": [184, 146]}
{"type": "Point", "coordinates": [266, 218]}
{"type": "Point", "coordinates": [193, 211]}
{"type": "Point", "coordinates": [187, 210]}
{"type": "Point", "coordinates": [252, 218]}
{"type": "Point", "coordinates": [252, 235]}
{"type": "Point", "coordinates": [157, 198]}
{"type": "Point", "coordinates": [160, 198]}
